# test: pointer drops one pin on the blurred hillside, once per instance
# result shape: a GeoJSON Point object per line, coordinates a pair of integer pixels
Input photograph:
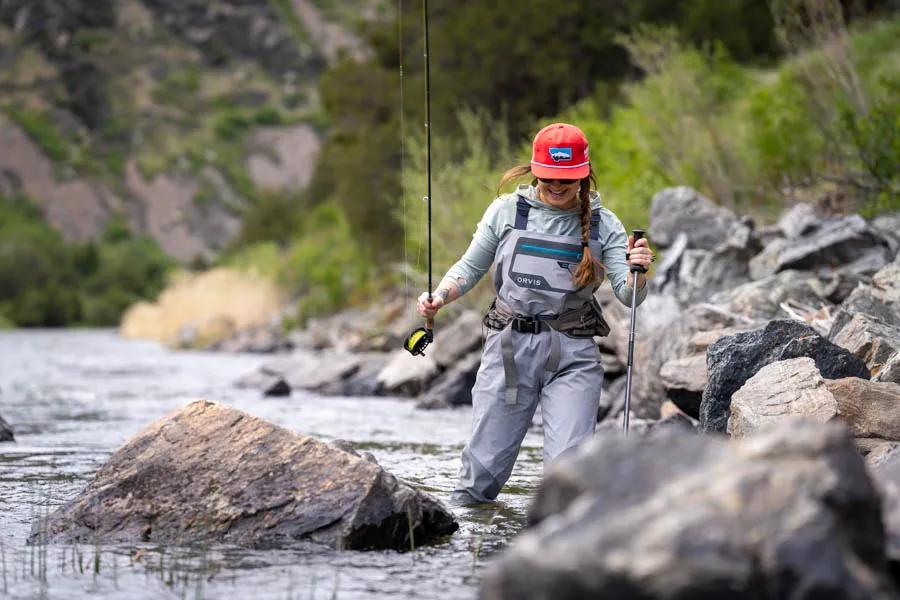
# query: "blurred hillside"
{"type": "Point", "coordinates": [278, 136]}
{"type": "Point", "coordinates": [176, 114]}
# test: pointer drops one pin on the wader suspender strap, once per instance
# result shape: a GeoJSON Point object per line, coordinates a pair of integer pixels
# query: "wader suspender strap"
{"type": "Point", "coordinates": [595, 224]}
{"type": "Point", "coordinates": [509, 365]}
{"type": "Point", "coordinates": [522, 210]}
{"type": "Point", "coordinates": [506, 345]}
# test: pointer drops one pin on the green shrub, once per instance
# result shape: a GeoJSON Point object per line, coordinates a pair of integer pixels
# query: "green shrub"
{"type": "Point", "coordinates": [326, 265]}
{"type": "Point", "coordinates": [45, 282]}
{"type": "Point", "coordinates": [268, 116]}
{"type": "Point", "coordinates": [42, 130]}
{"type": "Point", "coordinates": [231, 126]}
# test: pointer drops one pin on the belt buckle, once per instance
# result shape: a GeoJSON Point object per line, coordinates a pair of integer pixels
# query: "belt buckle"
{"type": "Point", "coordinates": [526, 325]}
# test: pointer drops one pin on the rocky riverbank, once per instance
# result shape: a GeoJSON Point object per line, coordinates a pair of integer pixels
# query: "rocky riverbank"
{"type": "Point", "coordinates": [835, 278]}
{"type": "Point", "coordinates": [785, 338]}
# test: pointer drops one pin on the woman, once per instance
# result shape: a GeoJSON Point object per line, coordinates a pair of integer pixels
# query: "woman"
{"type": "Point", "coordinates": [550, 243]}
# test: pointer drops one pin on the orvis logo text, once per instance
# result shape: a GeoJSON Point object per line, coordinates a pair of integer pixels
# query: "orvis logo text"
{"type": "Point", "coordinates": [529, 281]}
{"type": "Point", "coordinates": [560, 154]}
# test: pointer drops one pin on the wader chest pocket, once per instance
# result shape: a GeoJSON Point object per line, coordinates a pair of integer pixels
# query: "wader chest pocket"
{"type": "Point", "coordinates": [544, 265]}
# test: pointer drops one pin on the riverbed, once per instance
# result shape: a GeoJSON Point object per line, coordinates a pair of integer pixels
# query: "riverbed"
{"type": "Point", "coordinates": [74, 396]}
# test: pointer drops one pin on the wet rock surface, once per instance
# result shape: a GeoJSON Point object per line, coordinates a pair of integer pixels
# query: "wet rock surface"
{"type": "Point", "coordinates": [790, 513]}
{"type": "Point", "coordinates": [209, 472]}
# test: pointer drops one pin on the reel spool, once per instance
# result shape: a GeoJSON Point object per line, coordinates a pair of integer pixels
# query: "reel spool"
{"type": "Point", "coordinates": [418, 340]}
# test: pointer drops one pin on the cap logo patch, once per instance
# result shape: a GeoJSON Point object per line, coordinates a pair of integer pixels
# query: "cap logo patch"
{"type": "Point", "coordinates": [560, 154]}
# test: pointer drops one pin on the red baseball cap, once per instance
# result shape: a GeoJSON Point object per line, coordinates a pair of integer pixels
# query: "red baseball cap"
{"type": "Point", "coordinates": [560, 151]}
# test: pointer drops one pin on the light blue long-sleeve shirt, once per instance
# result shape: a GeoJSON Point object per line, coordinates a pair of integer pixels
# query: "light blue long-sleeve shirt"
{"type": "Point", "coordinates": [500, 217]}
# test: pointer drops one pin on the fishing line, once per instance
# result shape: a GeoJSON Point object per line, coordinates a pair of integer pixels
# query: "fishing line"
{"type": "Point", "coordinates": [419, 339]}
{"type": "Point", "coordinates": [404, 241]}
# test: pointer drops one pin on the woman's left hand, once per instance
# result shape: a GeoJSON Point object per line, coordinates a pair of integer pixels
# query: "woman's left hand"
{"type": "Point", "coordinates": [639, 253]}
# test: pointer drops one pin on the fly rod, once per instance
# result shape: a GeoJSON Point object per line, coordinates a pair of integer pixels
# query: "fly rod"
{"type": "Point", "coordinates": [419, 339]}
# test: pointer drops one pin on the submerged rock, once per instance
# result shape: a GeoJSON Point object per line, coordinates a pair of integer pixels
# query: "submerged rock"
{"type": "Point", "coordinates": [6, 432]}
{"type": "Point", "coordinates": [790, 513]}
{"type": "Point", "coordinates": [209, 472]}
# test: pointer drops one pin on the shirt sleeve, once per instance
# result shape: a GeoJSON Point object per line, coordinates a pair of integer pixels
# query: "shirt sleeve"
{"type": "Point", "coordinates": [479, 257]}
{"type": "Point", "coordinates": [615, 245]}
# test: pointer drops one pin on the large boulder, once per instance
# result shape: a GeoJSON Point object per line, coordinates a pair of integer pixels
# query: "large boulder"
{"type": "Point", "coordinates": [787, 514]}
{"type": "Point", "coordinates": [732, 360]}
{"type": "Point", "coordinates": [6, 432]}
{"type": "Point", "coordinates": [685, 210]}
{"type": "Point", "coordinates": [795, 388]}
{"type": "Point", "coordinates": [212, 473]}
{"type": "Point", "coordinates": [781, 390]}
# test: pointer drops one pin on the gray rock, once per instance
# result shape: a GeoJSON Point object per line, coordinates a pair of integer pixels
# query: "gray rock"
{"type": "Point", "coordinates": [405, 374]}
{"type": "Point", "coordinates": [277, 386]}
{"type": "Point", "coordinates": [870, 409]}
{"type": "Point", "coordinates": [870, 339]}
{"type": "Point", "coordinates": [612, 399]}
{"type": "Point", "coordinates": [761, 300]}
{"type": "Point", "coordinates": [880, 299]}
{"type": "Point", "coordinates": [781, 390]}
{"type": "Point", "coordinates": [665, 276]}
{"type": "Point", "coordinates": [891, 370]}
{"type": "Point", "coordinates": [457, 340]}
{"type": "Point", "coordinates": [787, 514]}
{"type": "Point", "coordinates": [875, 450]}
{"type": "Point", "coordinates": [306, 370]}
{"type": "Point", "coordinates": [361, 382]}
{"type": "Point", "coordinates": [684, 380]}
{"type": "Point", "coordinates": [685, 210]}
{"type": "Point", "coordinates": [734, 359]}
{"type": "Point", "coordinates": [656, 317]}
{"type": "Point", "coordinates": [887, 477]}
{"type": "Point", "coordinates": [795, 388]}
{"type": "Point", "coordinates": [6, 432]}
{"type": "Point", "coordinates": [705, 272]}
{"type": "Point", "coordinates": [799, 220]}
{"type": "Point", "coordinates": [838, 241]}
{"type": "Point", "coordinates": [212, 473]}
{"type": "Point", "coordinates": [453, 387]}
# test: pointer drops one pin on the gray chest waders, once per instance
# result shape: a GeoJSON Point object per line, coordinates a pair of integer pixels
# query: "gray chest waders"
{"type": "Point", "coordinates": [533, 278]}
{"type": "Point", "coordinates": [539, 350]}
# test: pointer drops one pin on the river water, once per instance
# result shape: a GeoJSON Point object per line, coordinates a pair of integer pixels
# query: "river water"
{"type": "Point", "coordinates": [74, 396]}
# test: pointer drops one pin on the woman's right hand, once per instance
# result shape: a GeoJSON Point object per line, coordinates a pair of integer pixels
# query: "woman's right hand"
{"type": "Point", "coordinates": [428, 308]}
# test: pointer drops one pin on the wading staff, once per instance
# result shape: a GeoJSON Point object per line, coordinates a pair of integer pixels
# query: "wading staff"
{"type": "Point", "coordinates": [635, 270]}
{"type": "Point", "coordinates": [419, 339]}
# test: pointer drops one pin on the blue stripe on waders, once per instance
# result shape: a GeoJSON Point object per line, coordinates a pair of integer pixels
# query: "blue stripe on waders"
{"type": "Point", "coordinates": [532, 247]}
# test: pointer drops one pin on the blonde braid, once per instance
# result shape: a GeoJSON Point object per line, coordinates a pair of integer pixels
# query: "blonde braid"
{"type": "Point", "coordinates": [586, 273]}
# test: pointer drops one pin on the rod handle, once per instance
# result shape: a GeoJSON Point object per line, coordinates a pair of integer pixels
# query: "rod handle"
{"type": "Point", "coordinates": [638, 234]}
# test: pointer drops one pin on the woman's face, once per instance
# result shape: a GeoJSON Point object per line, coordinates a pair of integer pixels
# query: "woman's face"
{"type": "Point", "coordinates": [559, 194]}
